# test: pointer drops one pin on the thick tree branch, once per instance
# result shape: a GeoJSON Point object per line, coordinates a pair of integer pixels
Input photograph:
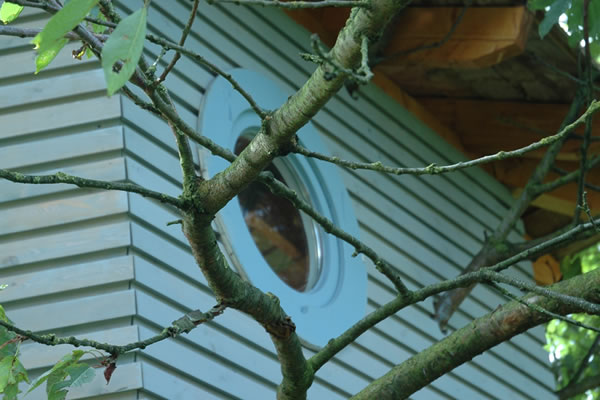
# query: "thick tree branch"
{"type": "Point", "coordinates": [283, 124]}
{"type": "Point", "coordinates": [495, 245]}
{"type": "Point", "coordinates": [489, 274]}
{"type": "Point", "coordinates": [231, 290]}
{"type": "Point", "coordinates": [478, 336]}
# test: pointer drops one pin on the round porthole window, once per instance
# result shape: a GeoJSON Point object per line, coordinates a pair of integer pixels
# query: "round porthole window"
{"type": "Point", "coordinates": [288, 240]}
{"type": "Point", "coordinates": [278, 248]}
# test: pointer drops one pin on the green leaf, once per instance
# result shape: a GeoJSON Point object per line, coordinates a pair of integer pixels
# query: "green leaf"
{"type": "Point", "coordinates": [57, 395]}
{"type": "Point", "coordinates": [123, 50]}
{"type": "Point", "coordinates": [594, 15]}
{"type": "Point", "coordinates": [79, 373]}
{"type": "Point", "coordinates": [6, 365]}
{"type": "Point", "coordinates": [539, 4]}
{"type": "Point", "coordinates": [11, 392]}
{"type": "Point", "coordinates": [9, 12]}
{"type": "Point", "coordinates": [51, 39]}
{"type": "Point", "coordinates": [557, 8]}
{"type": "Point", "coordinates": [58, 370]}
{"type": "Point", "coordinates": [46, 56]}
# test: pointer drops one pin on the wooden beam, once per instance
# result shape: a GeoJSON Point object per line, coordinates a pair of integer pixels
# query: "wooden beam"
{"type": "Point", "coordinates": [515, 174]}
{"type": "Point", "coordinates": [485, 36]}
{"type": "Point", "coordinates": [486, 127]}
{"type": "Point", "coordinates": [422, 113]}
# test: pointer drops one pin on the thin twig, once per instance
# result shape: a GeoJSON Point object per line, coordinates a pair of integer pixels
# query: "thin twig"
{"type": "Point", "coordinates": [183, 325]}
{"type": "Point", "coordinates": [61, 177]}
{"type": "Point", "coordinates": [212, 67]}
{"type": "Point", "coordinates": [434, 169]}
{"type": "Point", "coordinates": [563, 180]}
{"type": "Point", "coordinates": [382, 266]}
{"type": "Point", "coordinates": [588, 127]}
{"type": "Point", "coordinates": [184, 35]}
{"type": "Point", "coordinates": [337, 344]}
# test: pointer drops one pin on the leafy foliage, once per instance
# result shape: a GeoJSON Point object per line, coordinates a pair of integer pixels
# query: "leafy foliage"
{"type": "Point", "coordinates": [9, 12]}
{"type": "Point", "coordinates": [568, 344]}
{"type": "Point", "coordinates": [51, 39]}
{"type": "Point", "coordinates": [11, 370]}
{"type": "Point", "coordinates": [56, 378]}
{"type": "Point", "coordinates": [573, 11]}
{"type": "Point", "coordinates": [123, 50]}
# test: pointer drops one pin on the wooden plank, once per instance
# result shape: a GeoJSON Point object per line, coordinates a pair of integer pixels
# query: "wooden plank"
{"type": "Point", "coordinates": [57, 244]}
{"type": "Point", "coordinates": [35, 356]}
{"type": "Point", "coordinates": [52, 88]}
{"type": "Point", "coordinates": [143, 176]}
{"type": "Point", "coordinates": [61, 211]}
{"type": "Point", "coordinates": [61, 279]}
{"type": "Point", "coordinates": [60, 148]}
{"type": "Point", "coordinates": [207, 339]}
{"type": "Point", "coordinates": [205, 368]}
{"type": "Point", "coordinates": [126, 378]}
{"type": "Point", "coordinates": [413, 106]}
{"type": "Point", "coordinates": [161, 381]}
{"type": "Point", "coordinates": [485, 36]}
{"type": "Point", "coordinates": [112, 169]}
{"type": "Point", "coordinates": [59, 116]}
{"type": "Point", "coordinates": [163, 160]}
{"type": "Point", "coordinates": [486, 127]}
{"type": "Point", "coordinates": [84, 310]}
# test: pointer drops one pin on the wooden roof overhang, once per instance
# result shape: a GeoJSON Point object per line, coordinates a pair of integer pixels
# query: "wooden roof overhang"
{"type": "Point", "coordinates": [490, 85]}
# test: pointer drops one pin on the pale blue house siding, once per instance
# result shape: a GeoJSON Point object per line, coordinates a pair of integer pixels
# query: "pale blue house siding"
{"type": "Point", "coordinates": [106, 265]}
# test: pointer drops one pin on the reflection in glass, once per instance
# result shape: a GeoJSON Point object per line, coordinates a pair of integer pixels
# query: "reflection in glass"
{"type": "Point", "coordinates": [278, 230]}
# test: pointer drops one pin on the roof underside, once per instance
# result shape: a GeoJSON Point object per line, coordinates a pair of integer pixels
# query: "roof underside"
{"type": "Point", "coordinates": [484, 79]}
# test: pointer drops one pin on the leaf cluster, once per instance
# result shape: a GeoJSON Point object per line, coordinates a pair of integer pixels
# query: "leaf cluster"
{"type": "Point", "coordinates": [567, 344]}
{"type": "Point", "coordinates": [573, 18]}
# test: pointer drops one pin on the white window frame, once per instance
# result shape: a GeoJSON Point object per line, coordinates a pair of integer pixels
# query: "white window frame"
{"type": "Point", "coordinates": [338, 298]}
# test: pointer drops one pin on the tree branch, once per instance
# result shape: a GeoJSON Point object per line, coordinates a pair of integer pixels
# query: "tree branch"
{"type": "Point", "coordinates": [184, 35]}
{"type": "Point", "coordinates": [433, 169]}
{"type": "Point", "coordinates": [495, 244]}
{"type": "Point", "coordinates": [281, 190]}
{"type": "Point", "coordinates": [61, 177]}
{"type": "Point", "coordinates": [183, 325]}
{"type": "Point", "coordinates": [334, 346]}
{"type": "Point", "coordinates": [476, 337]}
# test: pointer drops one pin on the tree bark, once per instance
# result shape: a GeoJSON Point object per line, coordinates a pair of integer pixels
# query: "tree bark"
{"type": "Point", "coordinates": [480, 335]}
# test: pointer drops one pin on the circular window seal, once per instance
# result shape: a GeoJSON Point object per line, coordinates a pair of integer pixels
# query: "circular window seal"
{"type": "Point", "coordinates": [338, 298]}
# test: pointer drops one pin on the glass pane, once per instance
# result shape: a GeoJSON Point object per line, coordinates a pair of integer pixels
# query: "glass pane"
{"type": "Point", "coordinates": [277, 229]}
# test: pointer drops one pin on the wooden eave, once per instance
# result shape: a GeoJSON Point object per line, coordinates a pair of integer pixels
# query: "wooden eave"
{"type": "Point", "coordinates": [493, 85]}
